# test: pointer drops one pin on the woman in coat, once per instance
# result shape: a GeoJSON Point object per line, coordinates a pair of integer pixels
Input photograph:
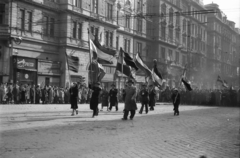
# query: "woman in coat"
{"type": "Point", "coordinates": [130, 101]}
{"type": "Point", "coordinates": [74, 98]}
{"type": "Point", "coordinates": [96, 89]}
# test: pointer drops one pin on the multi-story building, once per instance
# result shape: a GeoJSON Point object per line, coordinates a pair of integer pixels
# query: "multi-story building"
{"type": "Point", "coordinates": [171, 31]}
{"type": "Point", "coordinates": [223, 54]}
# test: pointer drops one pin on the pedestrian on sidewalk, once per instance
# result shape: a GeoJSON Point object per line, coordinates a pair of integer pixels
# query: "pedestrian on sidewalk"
{"type": "Point", "coordinates": [130, 100]}
{"type": "Point", "coordinates": [144, 99]}
{"type": "Point", "coordinates": [176, 101]}
{"type": "Point", "coordinates": [74, 98]}
{"type": "Point", "coordinates": [96, 89]}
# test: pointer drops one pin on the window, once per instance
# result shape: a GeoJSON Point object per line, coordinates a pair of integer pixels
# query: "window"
{"type": "Point", "coordinates": [139, 24]}
{"type": "Point", "coordinates": [117, 42]}
{"type": "Point", "coordinates": [28, 27]}
{"type": "Point", "coordinates": [171, 34]}
{"type": "Point", "coordinates": [170, 55]}
{"type": "Point", "coordinates": [95, 6]}
{"type": "Point", "coordinates": [45, 25]}
{"type": "Point", "coordinates": [77, 3]}
{"type": "Point", "coordinates": [178, 20]}
{"type": "Point", "coordinates": [171, 16]}
{"type": "Point", "coordinates": [140, 6]}
{"type": "Point", "coordinates": [177, 57]}
{"type": "Point", "coordinates": [184, 26]}
{"type": "Point", "coordinates": [127, 21]}
{"type": "Point", "coordinates": [109, 11]}
{"type": "Point", "coordinates": [127, 45]}
{"type": "Point", "coordinates": [109, 38]}
{"type": "Point", "coordinates": [177, 36]}
{"type": "Point", "coordinates": [163, 53]}
{"type": "Point", "coordinates": [139, 48]}
{"type": "Point", "coordinates": [94, 30]}
{"type": "Point", "coordinates": [74, 31]}
{"type": "Point", "coordinates": [22, 19]}
{"type": "Point", "coordinates": [52, 23]}
{"type": "Point", "coordinates": [79, 30]}
{"type": "Point", "coordinates": [183, 60]}
{"type": "Point", "coordinates": [2, 13]}
{"type": "Point", "coordinates": [163, 33]}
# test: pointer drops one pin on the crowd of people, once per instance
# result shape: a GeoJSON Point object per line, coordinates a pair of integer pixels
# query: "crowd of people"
{"type": "Point", "coordinates": [31, 94]}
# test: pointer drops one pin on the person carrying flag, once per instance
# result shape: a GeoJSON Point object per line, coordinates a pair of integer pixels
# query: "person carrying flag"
{"type": "Point", "coordinates": [176, 101]}
{"type": "Point", "coordinates": [152, 97]}
{"type": "Point", "coordinates": [144, 99]}
{"type": "Point", "coordinates": [113, 97]}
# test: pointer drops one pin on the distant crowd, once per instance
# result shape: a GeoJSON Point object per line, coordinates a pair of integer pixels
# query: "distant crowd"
{"type": "Point", "coordinates": [31, 94]}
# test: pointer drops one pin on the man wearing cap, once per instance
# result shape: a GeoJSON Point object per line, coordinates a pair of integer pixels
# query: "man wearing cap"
{"type": "Point", "coordinates": [113, 97]}
{"type": "Point", "coordinates": [130, 101]}
{"type": "Point", "coordinates": [176, 101]}
{"type": "Point", "coordinates": [144, 98]}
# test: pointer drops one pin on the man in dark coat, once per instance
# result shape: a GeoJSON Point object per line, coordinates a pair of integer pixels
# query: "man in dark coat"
{"type": "Point", "coordinates": [152, 95]}
{"type": "Point", "coordinates": [32, 94]}
{"type": "Point", "coordinates": [144, 99]}
{"type": "Point", "coordinates": [113, 97]}
{"type": "Point", "coordinates": [96, 89]}
{"type": "Point", "coordinates": [176, 101]}
{"type": "Point", "coordinates": [130, 100]}
{"type": "Point", "coordinates": [74, 98]}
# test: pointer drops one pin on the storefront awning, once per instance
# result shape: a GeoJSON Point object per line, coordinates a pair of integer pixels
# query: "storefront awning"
{"type": "Point", "coordinates": [27, 69]}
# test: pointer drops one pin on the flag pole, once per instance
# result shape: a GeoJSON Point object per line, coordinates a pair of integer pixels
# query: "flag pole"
{"type": "Point", "coordinates": [68, 70]}
{"type": "Point", "coordinates": [90, 57]}
{"type": "Point", "coordinates": [122, 66]}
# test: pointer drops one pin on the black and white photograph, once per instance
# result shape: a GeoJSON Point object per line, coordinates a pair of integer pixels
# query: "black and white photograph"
{"type": "Point", "coordinates": [119, 79]}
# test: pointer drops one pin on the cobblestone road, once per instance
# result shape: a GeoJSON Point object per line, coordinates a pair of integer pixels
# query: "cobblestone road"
{"type": "Point", "coordinates": [48, 131]}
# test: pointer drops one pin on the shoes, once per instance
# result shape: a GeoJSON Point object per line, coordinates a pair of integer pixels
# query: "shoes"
{"type": "Point", "coordinates": [140, 112]}
{"type": "Point", "coordinates": [72, 114]}
{"type": "Point", "coordinates": [124, 119]}
{"type": "Point", "coordinates": [76, 111]}
{"type": "Point", "coordinates": [131, 118]}
{"type": "Point", "coordinates": [146, 112]}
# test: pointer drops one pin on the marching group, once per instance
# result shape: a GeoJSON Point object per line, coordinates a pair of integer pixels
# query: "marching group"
{"type": "Point", "coordinates": [147, 95]}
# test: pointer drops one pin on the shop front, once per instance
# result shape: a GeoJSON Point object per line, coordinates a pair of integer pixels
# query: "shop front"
{"type": "Point", "coordinates": [25, 70]}
{"type": "Point", "coordinates": [49, 73]}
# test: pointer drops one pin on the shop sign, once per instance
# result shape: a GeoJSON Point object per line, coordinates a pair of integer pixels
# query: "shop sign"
{"type": "Point", "coordinates": [25, 63]}
{"type": "Point", "coordinates": [49, 67]}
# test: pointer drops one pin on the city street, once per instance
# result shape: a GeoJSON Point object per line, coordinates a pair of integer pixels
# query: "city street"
{"type": "Point", "coordinates": [49, 131]}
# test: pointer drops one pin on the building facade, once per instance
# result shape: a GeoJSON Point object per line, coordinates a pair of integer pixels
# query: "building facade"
{"type": "Point", "coordinates": [170, 31]}
{"type": "Point", "coordinates": [223, 47]}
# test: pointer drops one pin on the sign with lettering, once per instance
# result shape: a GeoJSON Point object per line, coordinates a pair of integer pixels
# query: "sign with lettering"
{"type": "Point", "coordinates": [49, 67]}
{"type": "Point", "coordinates": [25, 63]}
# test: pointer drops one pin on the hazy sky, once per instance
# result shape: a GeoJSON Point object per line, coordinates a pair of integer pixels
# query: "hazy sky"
{"type": "Point", "coordinates": [230, 7]}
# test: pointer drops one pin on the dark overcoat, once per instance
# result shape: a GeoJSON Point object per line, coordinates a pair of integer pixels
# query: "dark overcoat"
{"type": "Point", "coordinates": [74, 97]}
{"type": "Point", "coordinates": [94, 99]}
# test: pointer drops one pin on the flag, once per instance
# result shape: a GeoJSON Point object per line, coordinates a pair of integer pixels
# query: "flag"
{"type": "Point", "coordinates": [100, 46]}
{"type": "Point", "coordinates": [98, 71]}
{"type": "Point", "coordinates": [156, 79]}
{"type": "Point", "coordinates": [223, 82]}
{"type": "Point", "coordinates": [186, 84]}
{"type": "Point", "coordinates": [101, 73]}
{"type": "Point", "coordinates": [139, 63]}
{"type": "Point", "coordinates": [72, 63]}
{"type": "Point", "coordinates": [123, 67]}
{"type": "Point", "coordinates": [156, 76]}
{"type": "Point", "coordinates": [156, 70]}
{"type": "Point", "coordinates": [98, 55]}
{"type": "Point", "coordinates": [128, 59]}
